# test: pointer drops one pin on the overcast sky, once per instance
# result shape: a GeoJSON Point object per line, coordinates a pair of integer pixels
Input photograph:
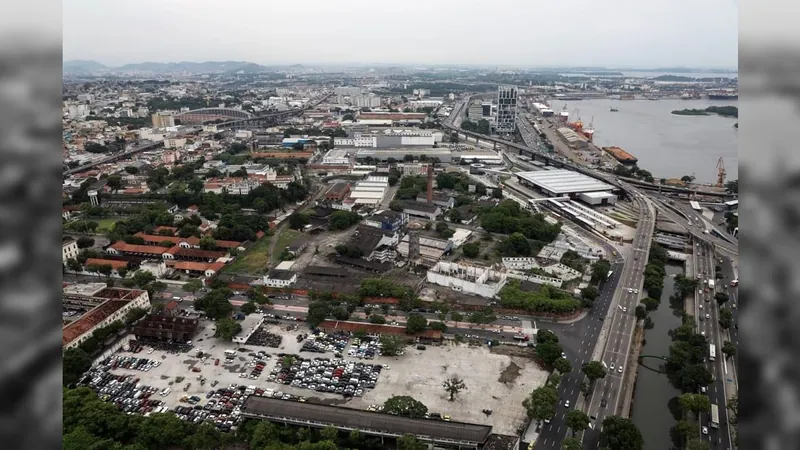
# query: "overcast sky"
{"type": "Point", "coordinates": [611, 33]}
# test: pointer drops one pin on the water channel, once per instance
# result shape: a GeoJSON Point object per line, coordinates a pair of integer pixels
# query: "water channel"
{"type": "Point", "coordinates": [654, 397]}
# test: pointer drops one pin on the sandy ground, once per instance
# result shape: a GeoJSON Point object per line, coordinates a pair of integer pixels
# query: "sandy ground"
{"type": "Point", "coordinates": [418, 373]}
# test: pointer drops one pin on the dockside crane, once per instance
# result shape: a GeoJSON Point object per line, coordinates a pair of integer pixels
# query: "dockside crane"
{"type": "Point", "coordinates": [720, 173]}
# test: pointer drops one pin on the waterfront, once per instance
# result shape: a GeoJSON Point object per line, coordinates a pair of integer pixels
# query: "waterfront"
{"type": "Point", "coordinates": [653, 391]}
{"type": "Point", "coordinates": [666, 145]}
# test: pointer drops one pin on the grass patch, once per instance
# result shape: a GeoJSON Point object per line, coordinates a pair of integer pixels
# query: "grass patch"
{"type": "Point", "coordinates": [254, 261]}
{"type": "Point", "coordinates": [106, 224]}
{"type": "Point", "coordinates": [286, 237]}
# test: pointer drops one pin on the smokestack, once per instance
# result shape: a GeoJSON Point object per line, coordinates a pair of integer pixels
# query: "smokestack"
{"type": "Point", "coordinates": [430, 184]}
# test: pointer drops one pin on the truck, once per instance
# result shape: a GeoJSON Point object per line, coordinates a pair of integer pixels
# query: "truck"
{"type": "Point", "coordinates": [711, 284]}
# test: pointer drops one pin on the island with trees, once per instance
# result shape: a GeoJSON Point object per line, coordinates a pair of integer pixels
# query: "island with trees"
{"type": "Point", "coordinates": [724, 111]}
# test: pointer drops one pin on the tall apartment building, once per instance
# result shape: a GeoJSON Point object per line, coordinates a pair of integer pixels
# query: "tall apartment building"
{"type": "Point", "coordinates": [506, 109]}
{"type": "Point", "coordinates": [163, 120]}
{"type": "Point", "coordinates": [365, 101]}
{"type": "Point", "coordinates": [348, 91]}
{"type": "Point", "coordinates": [475, 111]}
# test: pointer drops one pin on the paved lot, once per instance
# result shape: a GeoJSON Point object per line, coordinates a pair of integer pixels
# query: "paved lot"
{"type": "Point", "coordinates": [418, 373]}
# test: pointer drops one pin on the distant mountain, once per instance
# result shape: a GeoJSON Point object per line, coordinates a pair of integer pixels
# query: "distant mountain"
{"type": "Point", "coordinates": [80, 66]}
{"type": "Point", "coordinates": [94, 67]}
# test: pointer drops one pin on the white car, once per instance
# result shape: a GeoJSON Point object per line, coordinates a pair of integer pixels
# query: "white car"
{"type": "Point", "coordinates": [703, 389]}
{"type": "Point", "coordinates": [702, 333]}
{"type": "Point", "coordinates": [630, 291]}
{"type": "Point", "coordinates": [705, 430]}
{"type": "Point", "coordinates": [635, 291]}
{"type": "Point", "coordinates": [619, 369]}
{"type": "Point", "coordinates": [566, 403]}
{"type": "Point", "coordinates": [708, 316]}
{"type": "Point", "coordinates": [613, 366]}
{"type": "Point", "coordinates": [701, 306]}
{"type": "Point", "coordinates": [624, 309]}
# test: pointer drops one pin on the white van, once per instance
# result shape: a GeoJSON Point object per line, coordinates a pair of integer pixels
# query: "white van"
{"type": "Point", "coordinates": [166, 392]}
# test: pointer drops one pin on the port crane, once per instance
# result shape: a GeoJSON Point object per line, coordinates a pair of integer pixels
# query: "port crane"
{"type": "Point", "coordinates": [720, 172]}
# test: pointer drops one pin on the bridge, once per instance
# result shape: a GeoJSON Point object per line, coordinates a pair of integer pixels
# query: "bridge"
{"type": "Point", "coordinates": [677, 190]}
{"type": "Point", "coordinates": [203, 115]}
{"type": "Point", "coordinates": [659, 370]}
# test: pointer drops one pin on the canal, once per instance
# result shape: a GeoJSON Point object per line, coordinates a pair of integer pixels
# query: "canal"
{"type": "Point", "coordinates": [654, 402]}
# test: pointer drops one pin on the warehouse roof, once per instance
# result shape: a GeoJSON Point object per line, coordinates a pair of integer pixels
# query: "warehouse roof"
{"type": "Point", "coordinates": [365, 420]}
{"type": "Point", "coordinates": [561, 181]}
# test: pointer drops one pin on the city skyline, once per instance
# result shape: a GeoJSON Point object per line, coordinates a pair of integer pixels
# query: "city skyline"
{"type": "Point", "coordinates": [575, 33]}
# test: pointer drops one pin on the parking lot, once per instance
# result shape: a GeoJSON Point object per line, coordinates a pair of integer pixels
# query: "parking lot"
{"type": "Point", "coordinates": [418, 373]}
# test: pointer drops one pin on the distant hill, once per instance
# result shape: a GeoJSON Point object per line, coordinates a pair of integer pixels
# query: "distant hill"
{"type": "Point", "coordinates": [93, 67]}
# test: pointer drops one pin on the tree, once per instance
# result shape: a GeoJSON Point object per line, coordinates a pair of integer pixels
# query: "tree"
{"type": "Point", "coordinates": [721, 298]}
{"type": "Point", "coordinates": [377, 319]}
{"type": "Point", "coordinates": [208, 243]}
{"type": "Point", "coordinates": [132, 170]}
{"type": "Point", "coordinates": [593, 370]}
{"type": "Point", "coordinates": [695, 443]}
{"type": "Point", "coordinates": [725, 318]}
{"type": "Point", "coordinates": [248, 308]}
{"type": "Point", "coordinates": [728, 349]}
{"type": "Point", "coordinates": [590, 293]}
{"type": "Point", "coordinates": [114, 182]}
{"type": "Point", "coordinates": [74, 265]}
{"type": "Point", "coordinates": [640, 312]}
{"type": "Point", "coordinates": [410, 442]}
{"type": "Point", "coordinates": [571, 443]}
{"type": "Point", "coordinates": [456, 316]}
{"type": "Point", "coordinates": [650, 304]}
{"type": "Point", "coordinates": [157, 286]}
{"type": "Point", "coordinates": [453, 386]}
{"type": "Point", "coordinates": [600, 270]}
{"type": "Point", "coordinates": [437, 325]}
{"type": "Point", "coordinates": [694, 403]}
{"type": "Point", "coordinates": [142, 278]}
{"type": "Point", "coordinates": [619, 433]}
{"type": "Point", "coordinates": [227, 328]}
{"type": "Point", "coordinates": [406, 406]}
{"type": "Point", "coordinates": [298, 220]}
{"type": "Point", "coordinates": [562, 365]}
{"type": "Point", "coordinates": [544, 335]}
{"type": "Point", "coordinates": [317, 313]}
{"type": "Point", "coordinates": [541, 403]}
{"type": "Point", "coordinates": [416, 323]}
{"type": "Point", "coordinates": [391, 345]}
{"type": "Point", "coordinates": [576, 420]}
{"type": "Point", "coordinates": [471, 250]}
{"type": "Point", "coordinates": [192, 286]}
{"type": "Point", "coordinates": [329, 433]}
{"type": "Point", "coordinates": [342, 220]}
{"type": "Point", "coordinates": [455, 216]}
{"type": "Point", "coordinates": [85, 242]}
{"type": "Point", "coordinates": [76, 362]}
{"type": "Point", "coordinates": [687, 179]}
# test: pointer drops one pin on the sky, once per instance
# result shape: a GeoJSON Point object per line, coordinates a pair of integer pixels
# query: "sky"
{"type": "Point", "coordinates": [508, 33]}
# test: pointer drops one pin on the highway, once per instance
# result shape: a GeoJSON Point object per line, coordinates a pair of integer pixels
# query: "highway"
{"type": "Point", "coordinates": [606, 394]}
{"type": "Point", "coordinates": [707, 313]}
{"type": "Point", "coordinates": [696, 230]}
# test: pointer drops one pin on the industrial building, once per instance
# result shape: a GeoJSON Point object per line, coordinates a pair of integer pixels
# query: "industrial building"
{"type": "Point", "coordinates": [481, 157]}
{"type": "Point", "coordinates": [506, 109]}
{"type": "Point", "coordinates": [387, 220]}
{"type": "Point", "coordinates": [336, 157]}
{"type": "Point", "coordinates": [280, 278]}
{"type": "Point", "coordinates": [338, 191]}
{"type": "Point", "coordinates": [389, 138]}
{"type": "Point", "coordinates": [419, 209]}
{"type": "Point", "coordinates": [166, 328]}
{"type": "Point", "coordinates": [561, 182]}
{"type": "Point", "coordinates": [573, 139]}
{"type": "Point", "coordinates": [370, 191]}
{"type": "Point", "coordinates": [482, 281]}
{"type": "Point", "coordinates": [412, 169]}
{"type": "Point", "coordinates": [431, 250]}
{"type": "Point", "coordinates": [106, 305]}
{"type": "Point", "coordinates": [444, 155]}
{"type": "Point", "coordinates": [598, 198]}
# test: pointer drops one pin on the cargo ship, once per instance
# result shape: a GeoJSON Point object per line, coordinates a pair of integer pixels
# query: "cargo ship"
{"type": "Point", "coordinates": [723, 95]}
{"type": "Point", "coordinates": [621, 155]}
{"type": "Point", "coordinates": [564, 115]}
{"type": "Point", "coordinates": [577, 126]}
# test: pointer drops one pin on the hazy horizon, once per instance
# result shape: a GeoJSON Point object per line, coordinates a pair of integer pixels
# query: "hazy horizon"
{"type": "Point", "coordinates": [510, 33]}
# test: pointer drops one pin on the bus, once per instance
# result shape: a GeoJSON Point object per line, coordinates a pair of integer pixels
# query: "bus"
{"type": "Point", "coordinates": [712, 352]}
{"type": "Point", "coordinates": [610, 273]}
{"type": "Point", "coordinates": [714, 416]}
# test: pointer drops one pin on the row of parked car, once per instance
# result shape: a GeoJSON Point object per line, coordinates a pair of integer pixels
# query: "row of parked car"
{"type": "Point", "coordinates": [320, 342]}
{"type": "Point", "coordinates": [366, 348]}
{"type": "Point", "coordinates": [130, 363]}
{"type": "Point", "coordinates": [338, 376]}
{"type": "Point", "coordinates": [124, 391]}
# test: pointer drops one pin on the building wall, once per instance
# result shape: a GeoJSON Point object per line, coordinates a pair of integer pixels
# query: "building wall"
{"type": "Point", "coordinates": [69, 250]}
{"type": "Point", "coordinates": [270, 282]}
{"type": "Point", "coordinates": [445, 274]}
{"type": "Point", "coordinates": [427, 141]}
{"type": "Point", "coordinates": [163, 120]}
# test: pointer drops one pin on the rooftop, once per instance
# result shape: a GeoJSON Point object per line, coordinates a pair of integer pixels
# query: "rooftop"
{"type": "Point", "coordinates": [281, 275]}
{"type": "Point", "coordinates": [91, 319]}
{"type": "Point", "coordinates": [563, 181]}
{"type": "Point", "coordinates": [366, 420]}
{"type": "Point", "coordinates": [421, 207]}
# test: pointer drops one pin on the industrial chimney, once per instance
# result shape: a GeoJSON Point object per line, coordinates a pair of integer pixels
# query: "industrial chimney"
{"type": "Point", "coordinates": [430, 184]}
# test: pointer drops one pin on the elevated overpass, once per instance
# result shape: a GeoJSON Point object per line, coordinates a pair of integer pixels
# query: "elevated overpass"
{"type": "Point", "coordinates": [203, 115]}
{"type": "Point", "coordinates": [272, 118]}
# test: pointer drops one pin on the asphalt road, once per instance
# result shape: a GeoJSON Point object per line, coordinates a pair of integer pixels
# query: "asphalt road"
{"type": "Point", "coordinates": [578, 341]}
{"type": "Point", "coordinates": [707, 311]}
{"type": "Point", "coordinates": [697, 227]}
{"type": "Point", "coordinates": [620, 334]}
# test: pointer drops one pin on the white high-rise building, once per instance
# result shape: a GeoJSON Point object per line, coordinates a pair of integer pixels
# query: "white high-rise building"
{"type": "Point", "coordinates": [506, 109]}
